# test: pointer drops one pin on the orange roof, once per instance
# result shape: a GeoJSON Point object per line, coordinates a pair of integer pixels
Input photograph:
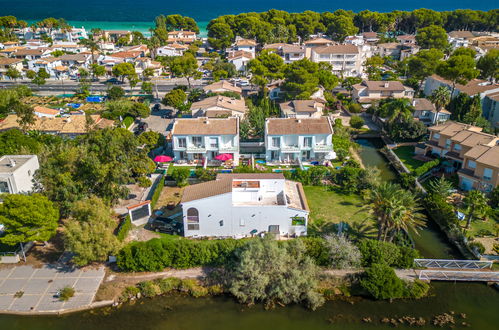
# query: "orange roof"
{"type": "Point", "coordinates": [46, 111]}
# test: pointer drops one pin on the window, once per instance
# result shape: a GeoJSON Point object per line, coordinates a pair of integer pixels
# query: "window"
{"type": "Point", "coordinates": [221, 222]}
{"type": "Point", "coordinates": [4, 187]}
{"type": "Point", "coordinates": [242, 222]}
{"type": "Point", "coordinates": [471, 164]}
{"type": "Point", "coordinates": [182, 155]}
{"type": "Point", "coordinates": [436, 136]}
{"type": "Point", "coordinates": [487, 174]}
{"type": "Point", "coordinates": [214, 142]}
{"type": "Point", "coordinates": [276, 142]}
{"type": "Point", "coordinates": [181, 142]}
{"type": "Point", "coordinates": [192, 219]}
{"type": "Point", "coordinates": [457, 147]}
{"type": "Point", "coordinates": [307, 141]}
{"type": "Point", "coordinates": [197, 141]}
{"type": "Point", "coordinates": [447, 143]}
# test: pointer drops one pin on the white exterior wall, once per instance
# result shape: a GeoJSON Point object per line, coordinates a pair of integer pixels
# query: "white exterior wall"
{"type": "Point", "coordinates": [226, 144]}
{"type": "Point", "coordinates": [285, 151]}
{"type": "Point", "coordinates": [346, 65]}
{"type": "Point", "coordinates": [21, 179]}
{"type": "Point", "coordinates": [239, 221]}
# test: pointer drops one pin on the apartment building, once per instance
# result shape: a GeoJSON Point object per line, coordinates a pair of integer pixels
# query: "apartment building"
{"type": "Point", "coordinates": [199, 141]}
{"type": "Point", "coordinates": [298, 141]}
{"type": "Point", "coordinates": [345, 59]}
{"type": "Point", "coordinates": [480, 169]}
{"type": "Point", "coordinates": [288, 52]}
{"type": "Point", "coordinates": [244, 205]}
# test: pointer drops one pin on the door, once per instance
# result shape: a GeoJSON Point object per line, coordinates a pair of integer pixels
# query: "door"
{"type": "Point", "coordinates": [466, 184]}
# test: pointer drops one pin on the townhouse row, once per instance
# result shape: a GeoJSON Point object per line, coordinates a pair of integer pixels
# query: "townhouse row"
{"type": "Point", "coordinates": [198, 141]}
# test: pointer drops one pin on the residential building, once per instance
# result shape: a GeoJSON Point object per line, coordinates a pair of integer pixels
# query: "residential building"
{"type": "Point", "coordinates": [459, 38]}
{"type": "Point", "coordinates": [200, 140]}
{"type": "Point", "coordinates": [240, 59]}
{"type": "Point", "coordinates": [370, 37]}
{"type": "Point", "coordinates": [298, 141]}
{"type": "Point", "coordinates": [221, 87]}
{"type": "Point", "coordinates": [219, 106]}
{"type": "Point", "coordinates": [143, 63]}
{"type": "Point", "coordinates": [316, 42]}
{"type": "Point", "coordinates": [406, 39]}
{"type": "Point", "coordinates": [76, 61]}
{"type": "Point", "coordinates": [171, 50]}
{"type": "Point", "coordinates": [7, 63]}
{"type": "Point", "coordinates": [17, 173]}
{"type": "Point", "coordinates": [480, 169]}
{"type": "Point", "coordinates": [181, 37]}
{"type": "Point", "coordinates": [389, 49]}
{"type": "Point", "coordinates": [245, 45]}
{"type": "Point", "coordinates": [288, 52]}
{"type": "Point", "coordinates": [345, 59]}
{"type": "Point", "coordinates": [479, 87]}
{"type": "Point", "coordinates": [453, 140]}
{"type": "Point", "coordinates": [370, 91]}
{"type": "Point", "coordinates": [45, 112]}
{"type": "Point", "coordinates": [425, 112]}
{"type": "Point", "coordinates": [31, 54]}
{"type": "Point", "coordinates": [69, 47]}
{"type": "Point", "coordinates": [115, 35]}
{"type": "Point", "coordinates": [245, 205]}
{"type": "Point", "coordinates": [52, 65]}
{"type": "Point", "coordinates": [302, 109]}
{"type": "Point", "coordinates": [70, 125]}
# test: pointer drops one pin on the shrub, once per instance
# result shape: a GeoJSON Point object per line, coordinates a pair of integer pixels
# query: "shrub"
{"type": "Point", "coordinates": [167, 285]}
{"type": "Point", "coordinates": [496, 248]}
{"type": "Point", "coordinates": [354, 108]}
{"type": "Point", "coordinates": [129, 293]}
{"type": "Point", "coordinates": [149, 289]}
{"type": "Point", "coordinates": [376, 252]}
{"type": "Point", "coordinates": [417, 289]}
{"type": "Point", "coordinates": [356, 121]}
{"type": "Point", "coordinates": [426, 167]}
{"type": "Point", "coordinates": [66, 293]}
{"type": "Point", "coordinates": [441, 211]}
{"type": "Point", "coordinates": [180, 175]}
{"type": "Point", "coordinates": [144, 182]}
{"type": "Point", "coordinates": [342, 253]}
{"type": "Point", "coordinates": [381, 282]}
{"type": "Point", "coordinates": [316, 249]}
{"type": "Point", "coordinates": [124, 228]}
{"type": "Point", "coordinates": [157, 192]}
{"type": "Point", "coordinates": [128, 121]}
{"type": "Point", "coordinates": [477, 247]}
{"type": "Point", "coordinates": [192, 287]}
{"type": "Point", "coordinates": [205, 175]}
{"type": "Point", "coordinates": [407, 180]}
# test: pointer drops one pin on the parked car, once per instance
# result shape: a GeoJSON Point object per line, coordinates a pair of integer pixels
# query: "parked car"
{"type": "Point", "coordinates": [166, 225]}
{"type": "Point", "coordinates": [168, 114]}
{"type": "Point", "coordinates": [156, 107]}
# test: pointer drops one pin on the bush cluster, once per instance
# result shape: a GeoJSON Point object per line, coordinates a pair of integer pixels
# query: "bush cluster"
{"type": "Point", "coordinates": [356, 121]}
{"type": "Point", "coordinates": [160, 253]}
{"type": "Point", "coordinates": [377, 252]}
{"type": "Point", "coordinates": [426, 167]}
{"type": "Point", "coordinates": [157, 192]}
{"type": "Point", "coordinates": [124, 228]}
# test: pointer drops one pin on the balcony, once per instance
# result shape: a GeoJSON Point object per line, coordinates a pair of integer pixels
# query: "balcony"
{"type": "Point", "coordinates": [290, 149]}
{"type": "Point", "coordinates": [228, 148]}
{"type": "Point", "coordinates": [196, 149]}
{"type": "Point", "coordinates": [323, 148]}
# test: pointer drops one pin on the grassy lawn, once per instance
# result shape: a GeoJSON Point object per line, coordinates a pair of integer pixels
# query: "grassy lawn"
{"type": "Point", "coordinates": [331, 207]}
{"type": "Point", "coordinates": [479, 227]}
{"type": "Point", "coordinates": [406, 154]}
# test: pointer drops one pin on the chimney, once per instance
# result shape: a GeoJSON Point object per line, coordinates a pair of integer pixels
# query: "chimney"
{"type": "Point", "coordinates": [12, 162]}
{"type": "Point", "coordinates": [387, 84]}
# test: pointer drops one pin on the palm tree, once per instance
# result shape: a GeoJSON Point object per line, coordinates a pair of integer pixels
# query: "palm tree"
{"type": "Point", "coordinates": [440, 98]}
{"type": "Point", "coordinates": [92, 45]}
{"type": "Point", "coordinates": [397, 110]}
{"type": "Point", "coordinates": [476, 204]}
{"type": "Point", "coordinates": [395, 209]}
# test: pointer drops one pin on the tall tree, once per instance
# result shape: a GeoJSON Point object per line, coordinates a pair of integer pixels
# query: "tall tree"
{"type": "Point", "coordinates": [440, 98]}
{"type": "Point", "coordinates": [124, 70]}
{"type": "Point", "coordinates": [488, 65]}
{"type": "Point", "coordinates": [341, 27]}
{"type": "Point", "coordinates": [459, 69]}
{"type": "Point", "coordinates": [424, 64]}
{"type": "Point", "coordinates": [432, 36]}
{"type": "Point", "coordinates": [475, 203]}
{"type": "Point", "coordinates": [27, 218]}
{"type": "Point", "coordinates": [185, 66]}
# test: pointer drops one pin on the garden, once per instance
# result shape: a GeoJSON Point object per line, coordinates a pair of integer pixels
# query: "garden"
{"type": "Point", "coordinates": [406, 155]}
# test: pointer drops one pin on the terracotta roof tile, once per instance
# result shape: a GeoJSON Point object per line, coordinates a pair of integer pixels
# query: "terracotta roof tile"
{"type": "Point", "coordinates": [285, 126]}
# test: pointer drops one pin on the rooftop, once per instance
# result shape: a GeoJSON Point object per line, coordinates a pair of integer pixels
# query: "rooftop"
{"type": "Point", "coordinates": [205, 126]}
{"type": "Point", "coordinates": [301, 106]}
{"type": "Point", "coordinates": [10, 163]}
{"type": "Point", "coordinates": [487, 155]}
{"type": "Point", "coordinates": [474, 87]}
{"type": "Point", "coordinates": [372, 85]}
{"type": "Point", "coordinates": [222, 84]}
{"type": "Point", "coordinates": [219, 101]}
{"type": "Point", "coordinates": [337, 49]}
{"type": "Point", "coordinates": [287, 126]}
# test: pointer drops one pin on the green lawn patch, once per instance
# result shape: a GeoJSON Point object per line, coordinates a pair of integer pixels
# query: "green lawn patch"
{"type": "Point", "coordinates": [406, 155]}
{"type": "Point", "coordinates": [328, 207]}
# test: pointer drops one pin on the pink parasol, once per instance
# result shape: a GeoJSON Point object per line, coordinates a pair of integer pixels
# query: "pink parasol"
{"type": "Point", "coordinates": [162, 159]}
{"type": "Point", "coordinates": [224, 157]}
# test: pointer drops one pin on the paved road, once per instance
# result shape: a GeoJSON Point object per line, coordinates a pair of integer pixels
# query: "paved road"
{"type": "Point", "coordinates": [39, 285]}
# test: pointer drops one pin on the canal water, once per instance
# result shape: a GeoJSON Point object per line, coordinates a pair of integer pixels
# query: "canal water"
{"type": "Point", "coordinates": [477, 301]}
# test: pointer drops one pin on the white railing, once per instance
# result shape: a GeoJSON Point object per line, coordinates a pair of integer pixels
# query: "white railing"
{"type": "Point", "coordinates": [323, 148]}
{"type": "Point", "coordinates": [458, 275]}
{"type": "Point", "coordinates": [228, 148]}
{"type": "Point", "coordinates": [290, 148]}
{"type": "Point", "coordinates": [453, 264]}
{"type": "Point", "coordinates": [196, 149]}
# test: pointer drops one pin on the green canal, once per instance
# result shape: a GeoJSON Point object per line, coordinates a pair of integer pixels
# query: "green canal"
{"type": "Point", "coordinates": [478, 302]}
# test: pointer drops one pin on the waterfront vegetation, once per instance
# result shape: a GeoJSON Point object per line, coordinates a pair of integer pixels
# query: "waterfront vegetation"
{"type": "Point", "coordinates": [406, 155]}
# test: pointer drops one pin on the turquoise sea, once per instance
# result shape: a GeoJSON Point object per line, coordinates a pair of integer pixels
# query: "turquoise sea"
{"type": "Point", "coordinates": [139, 14]}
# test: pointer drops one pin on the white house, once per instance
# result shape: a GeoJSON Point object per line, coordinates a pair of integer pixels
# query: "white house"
{"type": "Point", "coordinates": [371, 90]}
{"type": "Point", "coordinates": [240, 59]}
{"type": "Point", "coordinates": [16, 173]}
{"type": "Point", "coordinates": [345, 59]}
{"type": "Point", "coordinates": [298, 141]}
{"type": "Point", "coordinates": [53, 66]}
{"type": "Point", "coordinates": [219, 106]}
{"type": "Point", "coordinates": [245, 45]}
{"type": "Point", "coordinates": [459, 39]}
{"type": "Point", "coordinates": [288, 52]}
{"type": "Point", "coordinates": [301, 109]}
{"type": "Point", "coordinates": [221, 87]}
{"type": "Point", "coordinates": [171, 50]}
{"type": "Point", "coordinates": [426, 112]}
{"type": "Point", "coordinates": [7, 63]}
{"type": "Point", "coordinates": [40, 111]}
{"type": "Point", "coordinates": [200, 140]}
{"type": "Point", "coordinates": [244, 205]}
{"type": "Point", "coordinates": [185, 37]}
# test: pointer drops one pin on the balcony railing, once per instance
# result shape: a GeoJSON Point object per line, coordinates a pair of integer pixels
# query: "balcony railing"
{"type": "Point", "coordinates": [290, 148]}
{"type": "Point", "coordinates": [228, 148]}
{"type": "Point", "coordinates": [323, 148]}
{"type": "Point", "coordinates": [196, 149]}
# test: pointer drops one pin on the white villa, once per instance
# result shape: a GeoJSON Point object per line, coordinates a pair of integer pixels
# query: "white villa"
{"type": "Point", "coordinates": [345, 59]}
{"type": "Point", "coordinates": [244, 205]}
{"type": "Point", "coordinates": [199, 140]}
{"type": "Point", "coordinates": [219, 106]}
{"type": "Point", "coordinates": [302, 109]}
{"type": "Point", "coordinates": [298, 141]}
{"type": "Point", "coordinates": [16, 173]}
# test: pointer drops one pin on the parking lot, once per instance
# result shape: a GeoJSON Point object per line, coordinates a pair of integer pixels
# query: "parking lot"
{"type": "Point", "coordinates": [28, 289]}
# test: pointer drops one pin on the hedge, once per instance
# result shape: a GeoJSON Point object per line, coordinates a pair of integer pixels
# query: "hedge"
{"type": "Point", "coordinates": [426, 167]}
{"type": "Point", "coordinates": [157, 191]}
{"type": "Point", "coordinates": [124, 228]}
{"type": "Point", "coordinates": [128, 121]}
{"type": "Point", "coordinates": [181, 253]}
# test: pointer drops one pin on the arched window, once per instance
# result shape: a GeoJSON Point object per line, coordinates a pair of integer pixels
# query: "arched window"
{"type": "Point", "coordinates": [192, 219]}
